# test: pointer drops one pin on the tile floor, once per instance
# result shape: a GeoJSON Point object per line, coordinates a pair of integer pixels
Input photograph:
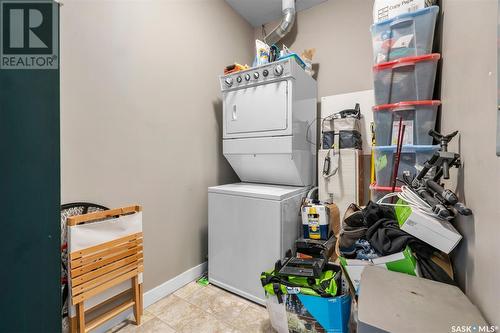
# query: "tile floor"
{"type": "Point", "coordinates": [199, 309]}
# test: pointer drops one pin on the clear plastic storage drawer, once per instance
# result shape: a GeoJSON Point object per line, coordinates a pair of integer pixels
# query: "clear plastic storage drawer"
{"type": "Point", "coordinates": [405, 79]}
{"type": "Point", "coordinates": [412, 161]}
{"type": "Point", "coordinates": [406, 35]}
{"type": "Point", "coordinates": [418, 116]}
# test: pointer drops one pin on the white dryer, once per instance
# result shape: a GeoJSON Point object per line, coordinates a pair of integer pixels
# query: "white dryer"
{"type": "Point", "coordinates": [269, 126]}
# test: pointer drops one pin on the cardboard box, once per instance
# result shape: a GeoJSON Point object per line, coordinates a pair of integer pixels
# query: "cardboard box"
{"type": "Point", "coordinates": [334, 216]}
{"type": "Point", "coordinates": [438, 233]}
{"type": "Point", "coordinates": [304, 313]}
{"type": "Point", "coordinates": [403, 262]}
{"type": "Point", "coordinates": [387, 9]}
{"type": "Point", "coordinates": [394, 302]}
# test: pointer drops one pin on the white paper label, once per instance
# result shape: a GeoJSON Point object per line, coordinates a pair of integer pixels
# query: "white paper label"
{"type": "Point", "coordinates": [381, 58]}
{"type": "Point", "coordinates": [413, 8]}
{"type": "Point", "coordinates": [386, 9]}
{"type": "Point", "coordinates": [403, 41]}
{"type": "Point", "coordinates": [408, 137]}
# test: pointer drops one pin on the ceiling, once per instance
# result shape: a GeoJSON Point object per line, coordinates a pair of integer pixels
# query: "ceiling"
{"type": "Point", "coordinates": [258, 12]}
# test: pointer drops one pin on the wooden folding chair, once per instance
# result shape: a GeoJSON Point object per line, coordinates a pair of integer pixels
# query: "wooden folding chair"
{"type": "Point", "coordinates": [95, 269]}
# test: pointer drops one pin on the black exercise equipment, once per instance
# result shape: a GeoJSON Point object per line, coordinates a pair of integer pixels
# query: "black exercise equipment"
{"type": "Point", "coordinates": [442, 159]}
{"type": "Point", "coordinates": [317, 248]}
{"type": "Point", "coordinates": [293, 266]}
{"type": "Point", "coordinates": [439, 198]}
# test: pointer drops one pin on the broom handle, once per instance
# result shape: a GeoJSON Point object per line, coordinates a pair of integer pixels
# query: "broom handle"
{"type": "Point", "coordinates": [398, 158]}
{"type": "Point", "coordinates": [395, 165]}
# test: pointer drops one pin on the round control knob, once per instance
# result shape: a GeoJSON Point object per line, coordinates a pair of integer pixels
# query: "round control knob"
{"type": "Point", "coordinates": [247, 77]}
{"type": "Point", "coordinates": [256, 75]}
{"type": "Point", "coordinates": [239, 79]}
{"type": "Point", "coordinates": [228, 81]}
{"type": "Point", "coordinates": [278, 70]}
{"type": "Point", "coordinates": [265, 72]}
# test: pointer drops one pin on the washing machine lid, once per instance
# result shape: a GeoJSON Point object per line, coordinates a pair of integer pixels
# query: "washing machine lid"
{"type": "Point", "coordinates": [260, 191]}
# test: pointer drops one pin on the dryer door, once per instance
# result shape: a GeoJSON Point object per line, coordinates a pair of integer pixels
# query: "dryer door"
{"type": "Point", "coordinates": [257, 111]}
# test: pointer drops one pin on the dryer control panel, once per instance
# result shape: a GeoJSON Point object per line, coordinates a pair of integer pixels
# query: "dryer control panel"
{"type": "Point", "coordinates": [277, 70]}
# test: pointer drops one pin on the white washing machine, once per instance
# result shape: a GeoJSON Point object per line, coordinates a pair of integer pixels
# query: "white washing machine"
{"type": "Point", "coordinates": [269, 131]}
{"type": "Point", "coordinates": [250, 227]}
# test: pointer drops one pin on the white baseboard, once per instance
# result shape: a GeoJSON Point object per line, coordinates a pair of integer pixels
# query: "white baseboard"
{"type": "Point", "coordinates": [157, 293]}
{"type": "Point", "coordinates": [168, 287]}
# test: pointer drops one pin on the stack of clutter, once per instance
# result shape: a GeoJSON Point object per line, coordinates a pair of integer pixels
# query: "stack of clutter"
{"type": "Point", "coordinates": [375, 235]}
{"type": "Point", "coordinates": [299, 302]}
{"type": "Point", "coordinates": [306, 291]}
{"type": "Point", "coordinates": [404, 78]}
{"type": "Point", "coordinates": [401, 240]}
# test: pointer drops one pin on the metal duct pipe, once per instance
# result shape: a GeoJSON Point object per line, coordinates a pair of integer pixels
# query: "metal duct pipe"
{"type": "Point", "coordinates": [285, 25]}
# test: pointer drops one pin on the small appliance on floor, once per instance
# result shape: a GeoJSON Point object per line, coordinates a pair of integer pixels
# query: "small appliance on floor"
{"type": "Point", "coordinates": [269, 131]}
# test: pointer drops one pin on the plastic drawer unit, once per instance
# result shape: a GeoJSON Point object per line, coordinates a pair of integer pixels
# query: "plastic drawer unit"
{"type": "Point", "coordinates": [405, 79]}
{"type": "Point", "coordinates": [412, 161]}
{"type": "Point", "coordinates": [378, 192]}
{"type": "Point", "coordinates": [418, 116]}
{"type": "Point", "coordinates": [406, 35]}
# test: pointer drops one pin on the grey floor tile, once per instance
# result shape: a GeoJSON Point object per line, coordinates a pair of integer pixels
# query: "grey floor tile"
{"type": "Point", "coordinates": [129, 324]}
{"type": "Point", "coordinates": [179, 312]}
{"type": "Point", "coordinates": [201, 309]}
{"type": "Point", "coordinates": [203, 298]}
{"type": "Point", "coordinates": [253, 319]}
{"type": "Point", "coordinates": [206, 323]}
{"type": "Point", "coordinates": [161, 305]}
{"type": "Point", "coordinates": [188, 290]}
{"type": "Point", "coordinates": [145, 317]}
{"type": "Point", "coordinates": [223, 305]}
{"type": "Point", "coordinates": [154, 325]}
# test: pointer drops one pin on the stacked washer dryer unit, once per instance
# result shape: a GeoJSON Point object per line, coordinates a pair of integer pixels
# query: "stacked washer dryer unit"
{"type": "Point", "coordinates": [269, 135]}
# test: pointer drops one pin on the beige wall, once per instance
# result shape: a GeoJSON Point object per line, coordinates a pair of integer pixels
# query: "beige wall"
{"type": "Point", "coordinates": [469, 95]}
{"type": "Point", "coordinates": [340, 32]}
{"type": "Point", "coordinates": [140, 114]}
